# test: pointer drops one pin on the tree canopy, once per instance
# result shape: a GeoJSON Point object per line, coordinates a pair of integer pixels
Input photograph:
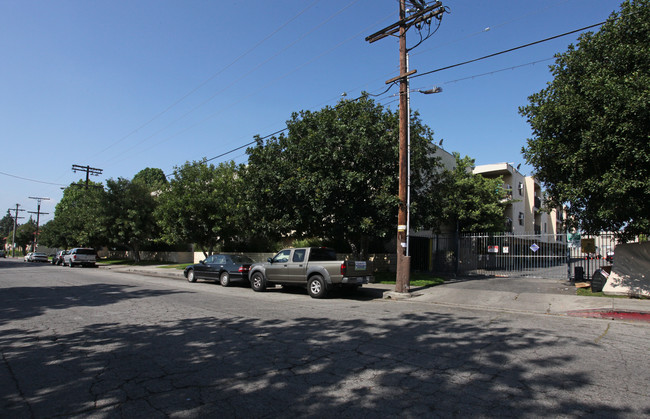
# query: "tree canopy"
{"type": "Point", "coordinates": [470, 202]}
{"type": "Point", "coordinates": [591, 126]}
{"type": "Point", "coordinates": [77, 218]}
{"type": "Point", "coordinates": [334, 175]}
{"type": "Point", "coordinates": [202, 205]}
{"type": "Point", "coordinates": [153, 178]}
{"type": "Point", "coordinates": [128, 214]}
{"type": "Point", "coordinates": [6, 226]}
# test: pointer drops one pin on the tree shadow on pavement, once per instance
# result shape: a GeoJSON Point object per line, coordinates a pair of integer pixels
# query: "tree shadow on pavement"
{"type": "Point", "coordinates": [419, 365]}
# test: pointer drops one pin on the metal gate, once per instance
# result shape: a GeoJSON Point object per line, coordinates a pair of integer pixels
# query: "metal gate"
{"type": "Point", "coordinates": [557, 256]}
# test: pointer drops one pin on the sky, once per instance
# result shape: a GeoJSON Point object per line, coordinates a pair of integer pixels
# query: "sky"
{"type": "Point", "coordinates": [124, 85]}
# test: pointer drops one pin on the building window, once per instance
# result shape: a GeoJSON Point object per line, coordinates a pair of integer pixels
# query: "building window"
{"type": "Point", "coordinates": [521, 188]}
{"type": "Point", "coordinates": [521, 218]}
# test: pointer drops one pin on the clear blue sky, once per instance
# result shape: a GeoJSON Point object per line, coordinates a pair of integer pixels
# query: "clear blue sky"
{"type": "Point", "coordinates": [125, 85]}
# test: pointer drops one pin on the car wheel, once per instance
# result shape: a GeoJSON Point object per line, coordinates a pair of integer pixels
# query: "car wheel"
{"type": "Point", "coordinates": [258, 283]}
{"type": "Point", "coordinates": [190, 276]}
{"type": "Point", "coordinates": [224, 279]}
{"type": "Point", "coordinates": [316, 287]}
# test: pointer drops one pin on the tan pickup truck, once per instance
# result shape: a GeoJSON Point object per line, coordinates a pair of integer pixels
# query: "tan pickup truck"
{"type": "Point", "coordinates": [317, 268]}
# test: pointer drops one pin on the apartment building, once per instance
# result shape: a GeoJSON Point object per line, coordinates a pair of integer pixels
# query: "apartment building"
{"type": "Point", "coordinates": [524, 209]}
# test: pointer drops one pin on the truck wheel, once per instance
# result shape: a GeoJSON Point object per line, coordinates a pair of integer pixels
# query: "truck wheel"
{"type": "Point", "coordinates": [190, 276]}
{"type": "Point", "coordinates": [316, 287]}
{"type": "Point", "coordinates": [258, 283]}
{"type": "Point", "coordinates": [224, 279]}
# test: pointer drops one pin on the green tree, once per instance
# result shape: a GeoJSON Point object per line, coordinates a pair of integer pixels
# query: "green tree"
{"type": "Point", "coordinates": [78, 218]}
{"type": "Point", "coordinates": [128, 214]}
{"type": "Point", "coordinates": [591, 126]}
{"type": "Point", "coordinates": [470, 202]}
{"type": "Point", "coordinates": [334, 175]}
{"type": "Point", "coordinates": [7, 226]}
{"type": "Point", "coordinates": [50, 233]}
{"type": "Point", "coordinates": [25, 234]}
{"type": "Point", "coordinates": [202, 205]}
{"type": "Point", "coordinates": [153, 178]}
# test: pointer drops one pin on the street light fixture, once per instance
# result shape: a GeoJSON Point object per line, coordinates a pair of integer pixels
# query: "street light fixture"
{"type": "Point", "coordinates": [434, 89]}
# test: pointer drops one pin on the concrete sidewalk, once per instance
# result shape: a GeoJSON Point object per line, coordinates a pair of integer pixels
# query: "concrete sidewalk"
{"type": "Point", "coordinates": [531, 295]}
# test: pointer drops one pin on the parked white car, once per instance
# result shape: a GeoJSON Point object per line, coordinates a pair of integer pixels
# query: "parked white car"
{"type": "Point", "coordinates": [80, 256]}
{"type": "Point", "coordinates": [35, 257]}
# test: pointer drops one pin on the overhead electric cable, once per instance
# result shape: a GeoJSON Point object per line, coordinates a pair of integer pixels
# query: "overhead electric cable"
{"type": "Point", "coordinates": [506, 51]}
{"type": "Point", "coordinates": [168, 108]}
{"type": "Point", "coordinates": [243, 76]}
{"type": "Point", "coordinates": [441, 69]}
{"type": "Point", "coordinates": [31, 180]}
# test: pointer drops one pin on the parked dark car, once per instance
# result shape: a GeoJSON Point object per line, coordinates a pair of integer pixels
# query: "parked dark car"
{"type": "Point", "coordinates": [58, 257]}
{"type": "Point", "coordinates": [222, 268]}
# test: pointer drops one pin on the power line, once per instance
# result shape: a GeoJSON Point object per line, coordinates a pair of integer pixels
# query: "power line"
{"type": "Point", "coordinates": [31, 180]}
{"type": "Point", "coordinates": [191, 92]}
{"type": "Point", "coordinates": [507, 50]}
{"type": "Point", "coordinates": [445, 68]}
{"type": "Point", "coordinates": [234, 82]}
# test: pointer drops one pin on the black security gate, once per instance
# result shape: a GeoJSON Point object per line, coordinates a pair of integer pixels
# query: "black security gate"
{"type": "Point", "coordinates": [558, 256]}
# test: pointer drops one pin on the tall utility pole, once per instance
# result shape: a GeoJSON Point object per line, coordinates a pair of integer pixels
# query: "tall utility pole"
{"type": "Point", "coordinates": [16, 217]}
{"type": "Point", "coordinates": [89, 171]}
{"type": "Point", "coordinates": [38, 218]}
{"type": "Point", "coordinates": [422, 14]}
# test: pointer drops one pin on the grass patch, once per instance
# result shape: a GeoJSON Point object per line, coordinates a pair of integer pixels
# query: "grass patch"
{"type": "Point", "coordinates": [128, 262]}
{"type": "Point", "coordinates": [180, 266]}
{"type": "Point", "coordinates": [418, 279]}
{"type": "Point", "coordinates": [587, 292]}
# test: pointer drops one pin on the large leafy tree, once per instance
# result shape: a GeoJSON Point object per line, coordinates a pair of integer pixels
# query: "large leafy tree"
{"type": "Point", "coordinates": [469, 202]}
{"type": "Point", "coordinates": [6, 226]}
{"type": "Point", "coordinates": [25, 234]}
{"type": "Point", "coordinates": [77, 218]}
{"type": "Point", "coordinates": [153, 178]}
{"type": "Point", "coordinates": [334, 175]}
{"type": "Point", "coordinates": [128, 215]}
{"type": "Point", "coordinates": [591, 126]}
{"type": "Point", "coordinates": [202, 205]}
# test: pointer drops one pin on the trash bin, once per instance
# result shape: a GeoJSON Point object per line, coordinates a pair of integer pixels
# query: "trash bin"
{"type": "Point", "coordinates": [579, 274]}
{"type": "Point", "coordinates": [598, 280]}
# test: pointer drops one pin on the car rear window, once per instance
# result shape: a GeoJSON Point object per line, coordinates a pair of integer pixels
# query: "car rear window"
{"type": "Point", "coordinates": [241, 259]}
{"type": "Point", "coordinates": [321, 254]}
{"type": "Point", "coordinates": [85, 251]}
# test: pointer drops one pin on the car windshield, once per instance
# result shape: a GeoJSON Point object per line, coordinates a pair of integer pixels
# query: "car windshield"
{"type": "Point", "coordinates": [241, 259]}
{"type": "Point", "coordinates": [39, 254]}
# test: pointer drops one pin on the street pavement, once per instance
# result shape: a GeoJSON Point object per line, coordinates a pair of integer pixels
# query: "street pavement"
{"type": "Point", "coordinates": [513, 294]}
{"type": "Point", "coordinates": [111, 342]}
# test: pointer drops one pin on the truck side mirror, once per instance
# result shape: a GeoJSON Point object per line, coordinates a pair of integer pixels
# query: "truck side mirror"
{"type": "Point", "coordinates": [269, 260]}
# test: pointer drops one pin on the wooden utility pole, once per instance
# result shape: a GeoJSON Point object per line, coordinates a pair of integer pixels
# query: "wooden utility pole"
{"type": "Point", "coordinates": [402, 282]}
{"type": "Point", "coordinates": [423, 13]}
{"type": "Point", "coordinates": [89, 171]}
{"type": "Point", "coordinates": [38, 218]}
{"type": "Point", "coordinates": [16, 217]}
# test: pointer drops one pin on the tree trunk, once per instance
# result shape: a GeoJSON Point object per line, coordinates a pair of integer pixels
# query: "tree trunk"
{"type": "Point", "coordinates": [136, 253]}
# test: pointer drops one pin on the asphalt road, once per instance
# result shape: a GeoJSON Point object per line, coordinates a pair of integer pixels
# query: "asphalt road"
{"type": "Point", "coordinates": [95, 343]}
